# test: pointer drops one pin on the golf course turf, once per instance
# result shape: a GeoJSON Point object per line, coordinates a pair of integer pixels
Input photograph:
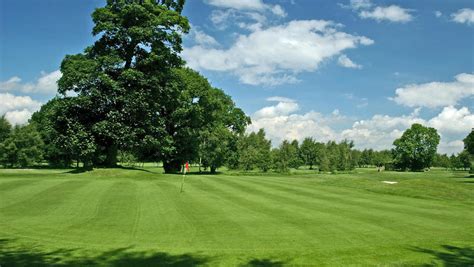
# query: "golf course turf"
{"type": "Point", "coordinates": [137, 217]}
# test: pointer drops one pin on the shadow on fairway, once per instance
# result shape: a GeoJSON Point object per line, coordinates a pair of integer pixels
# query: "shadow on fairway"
{"type": "Point", "coordinates": [451, 255]}
{"type": "Point", "coordinates": [13, 256]}
{"type": "Point", "coordinates": [263, 263]}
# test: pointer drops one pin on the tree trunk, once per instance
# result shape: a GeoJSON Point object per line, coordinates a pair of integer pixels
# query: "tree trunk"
{"type": "Point", "coordinates": [172, 166]}
{"type": "Point", "coordinates": [213, 169]}
{"type": "Point", "coordinates": [111, 157]}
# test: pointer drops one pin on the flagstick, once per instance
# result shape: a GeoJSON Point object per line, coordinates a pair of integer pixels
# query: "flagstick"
{"type": "Point", "coordinates": [182, 181]}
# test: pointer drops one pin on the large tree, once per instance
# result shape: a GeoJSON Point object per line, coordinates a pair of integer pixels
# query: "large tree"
{"type": "Point", "coordinates": [416, 148]}
{"type": "Point", "coordinates": [121, 81]}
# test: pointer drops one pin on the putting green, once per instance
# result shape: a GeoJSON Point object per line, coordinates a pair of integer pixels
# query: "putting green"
{"type": "Point", "coordinates": [138, 217]}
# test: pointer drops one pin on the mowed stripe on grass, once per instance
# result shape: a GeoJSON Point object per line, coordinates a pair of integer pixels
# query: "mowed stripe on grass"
{"type": "Point", "coordinates": [230, 220]}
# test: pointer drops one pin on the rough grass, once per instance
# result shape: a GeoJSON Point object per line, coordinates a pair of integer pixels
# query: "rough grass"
{"type": "Point", "coordinates": [126, 217]}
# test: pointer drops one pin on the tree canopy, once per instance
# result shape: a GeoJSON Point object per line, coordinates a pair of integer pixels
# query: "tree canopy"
{"type": "Point", "coordinates": [416, 148]}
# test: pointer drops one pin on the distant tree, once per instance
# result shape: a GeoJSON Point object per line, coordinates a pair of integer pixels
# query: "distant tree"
{"type": "Point", "coordinates": [308, 152]}
{"type": "Point", "coordinates": [22, 148]}
{"type": "Point", "coordinates": [214, 147]}
{"type": "Point", "coordinates": [254, 151]}
{"type": "Point", "coordinates": [455, 162]}
{"type": "Point", "coordinates": [441, 160]}
{"type": "Point", "coordinates": [464, 159]}
{"type": "Point", "coordinates": [367, 157]}
{"type": "Point", "coordinates": [416, 148]}
{"type": "Point", "coordinates": [295, 160]}
{"type": "Point", "coordinates": [322, 159]}
{"type": "Point", "coordinates": [381, 158]}
{"type": "Point", "coordinates": [283, 156]}
{"type": "Point", "coordinates": [45, 121]}
{"type": "Point", "coordinates": [5, 128]}
{"type": "Point", "coordinates": [356, 155]}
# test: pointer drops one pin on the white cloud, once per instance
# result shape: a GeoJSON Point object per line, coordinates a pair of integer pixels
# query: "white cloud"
{"type": "Point", "coordinates": [453, 121]}
{"type": "Point", "coordinates": [282, 121]}
{"type": "Point", "coordinates": [436, 94]}
{"type": "Point", "coordinates": [360, 4]}
{"type": "Point", "coordinates": [18, 117]}
{"type": "Point", "coordinates": [367, 10]}
{"type": "Point", "coordinates": [202, 38]}
{"type": "Point", "coordinates": [391, 13]}
{"type": "Point", "coordinates": [346, 62]}
{"type": "Point", "coordinates": [438, 13]}
{"type": "Point", "coordinates": [46, 84]}
{"type": "Point", "coordinates": [17, 109]}
{"type": "Point", "coordinates": [276, 55]}
{"type": "Point", "coordinates": [465, 15]}
{"type": "Point", "coordinates": [248, 5]}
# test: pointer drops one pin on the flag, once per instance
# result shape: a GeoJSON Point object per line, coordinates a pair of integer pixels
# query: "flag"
{"type": "Point", "coordinates": [186, 169]}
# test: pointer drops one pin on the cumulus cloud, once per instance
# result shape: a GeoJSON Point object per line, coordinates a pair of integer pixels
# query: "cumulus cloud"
{"type": "Point", "coordinates": [248, 5]}
{"type": "Point", "coordinates": [438, 13]}
{"type": "Point", "coordinates": [202, 38]}
{"type": "Point", "coordinates": [391, 13]}
{"type": "Point", "coordinates": [367, 10]}
{"type": "Point", "coordinates": [282, 120]}
{"type": "Point", "coordinates": [465, 15]}
{"type": "Point", "coordinates": [346, 62]}
{"type": "Point", "coordinates": [436, 94]}
{"type": "Point", "coordinates": [46, 84]}
{"type": "Point", "coordinates": [17, 109]}
{"type": "Point", "coordinates": [276, 55]}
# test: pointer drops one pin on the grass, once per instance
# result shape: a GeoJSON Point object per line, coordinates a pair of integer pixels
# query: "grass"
{"type": "Point", "coordinates": [127, 217]}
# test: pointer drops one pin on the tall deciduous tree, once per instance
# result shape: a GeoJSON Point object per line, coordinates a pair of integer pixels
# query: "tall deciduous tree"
{"type": "Point", "coordinates": [416, 148]}
{"type": "Point", "coordinates": [121, 80]}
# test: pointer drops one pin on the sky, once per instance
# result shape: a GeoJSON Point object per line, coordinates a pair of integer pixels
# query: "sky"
{"type": "Point", "coordinates": [329, 69]}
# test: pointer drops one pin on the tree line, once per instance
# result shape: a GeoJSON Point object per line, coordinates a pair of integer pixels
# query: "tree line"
{"type": "Point", "coordinates": [33, 144]}
{"type": "Point", "coordinates": [129, 97]}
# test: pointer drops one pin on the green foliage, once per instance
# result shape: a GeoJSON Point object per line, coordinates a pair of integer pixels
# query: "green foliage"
{"type": "Point", "coordinates": [196, 118]}
{"type": "Point", "coordinates": [5, 128]}
{"type": "Point", "coordinates": [441, 160]}
{"type": "Point", "coordinates": [214, 147]}
{"type": "Point", "coordinates": [469, 142]}
{"type": "Point", "coordinates": [121, 81]}
{"type": "Point", "coordinates": [44, 121]}
{"type": "Point", "coordinates": [465, 159]}
{"type": "Point", "coordinates": [254, 151]}
{"type": "Point", "coordinates": [284, 156]}
{"type": "Point", "coordinates": [416, 148]}
{"type": "Point", "coordinates": [308, 152]}
{"type": "Point", "coordinates": [22, 148]}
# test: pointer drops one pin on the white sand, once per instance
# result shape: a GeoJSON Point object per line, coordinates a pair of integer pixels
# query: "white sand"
{"type": "Point", "coordinates": [389, 182]}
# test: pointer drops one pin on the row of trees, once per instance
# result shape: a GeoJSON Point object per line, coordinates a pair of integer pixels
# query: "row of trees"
{"type": "Point", "coordinates": [23, 146]}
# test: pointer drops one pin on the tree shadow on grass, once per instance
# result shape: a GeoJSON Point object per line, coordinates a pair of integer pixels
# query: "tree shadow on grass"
{"type": "Point", "coordinates": [15, 256]}
{"type": "Point", "coordinates": [451, 255]}
{"type": "Point", "coordinates": [263, 263]}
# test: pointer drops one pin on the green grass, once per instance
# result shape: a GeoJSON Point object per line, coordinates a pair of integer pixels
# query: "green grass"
{"type": "Point", "coordinates": [126, 217]}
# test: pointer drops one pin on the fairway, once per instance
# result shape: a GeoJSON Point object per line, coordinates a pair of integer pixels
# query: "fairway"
{"type": "Point", "coordinates": [138, 217]}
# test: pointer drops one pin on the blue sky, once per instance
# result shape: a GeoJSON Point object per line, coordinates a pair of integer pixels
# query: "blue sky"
{"type": "Point", "coordinates": [361, 70]}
